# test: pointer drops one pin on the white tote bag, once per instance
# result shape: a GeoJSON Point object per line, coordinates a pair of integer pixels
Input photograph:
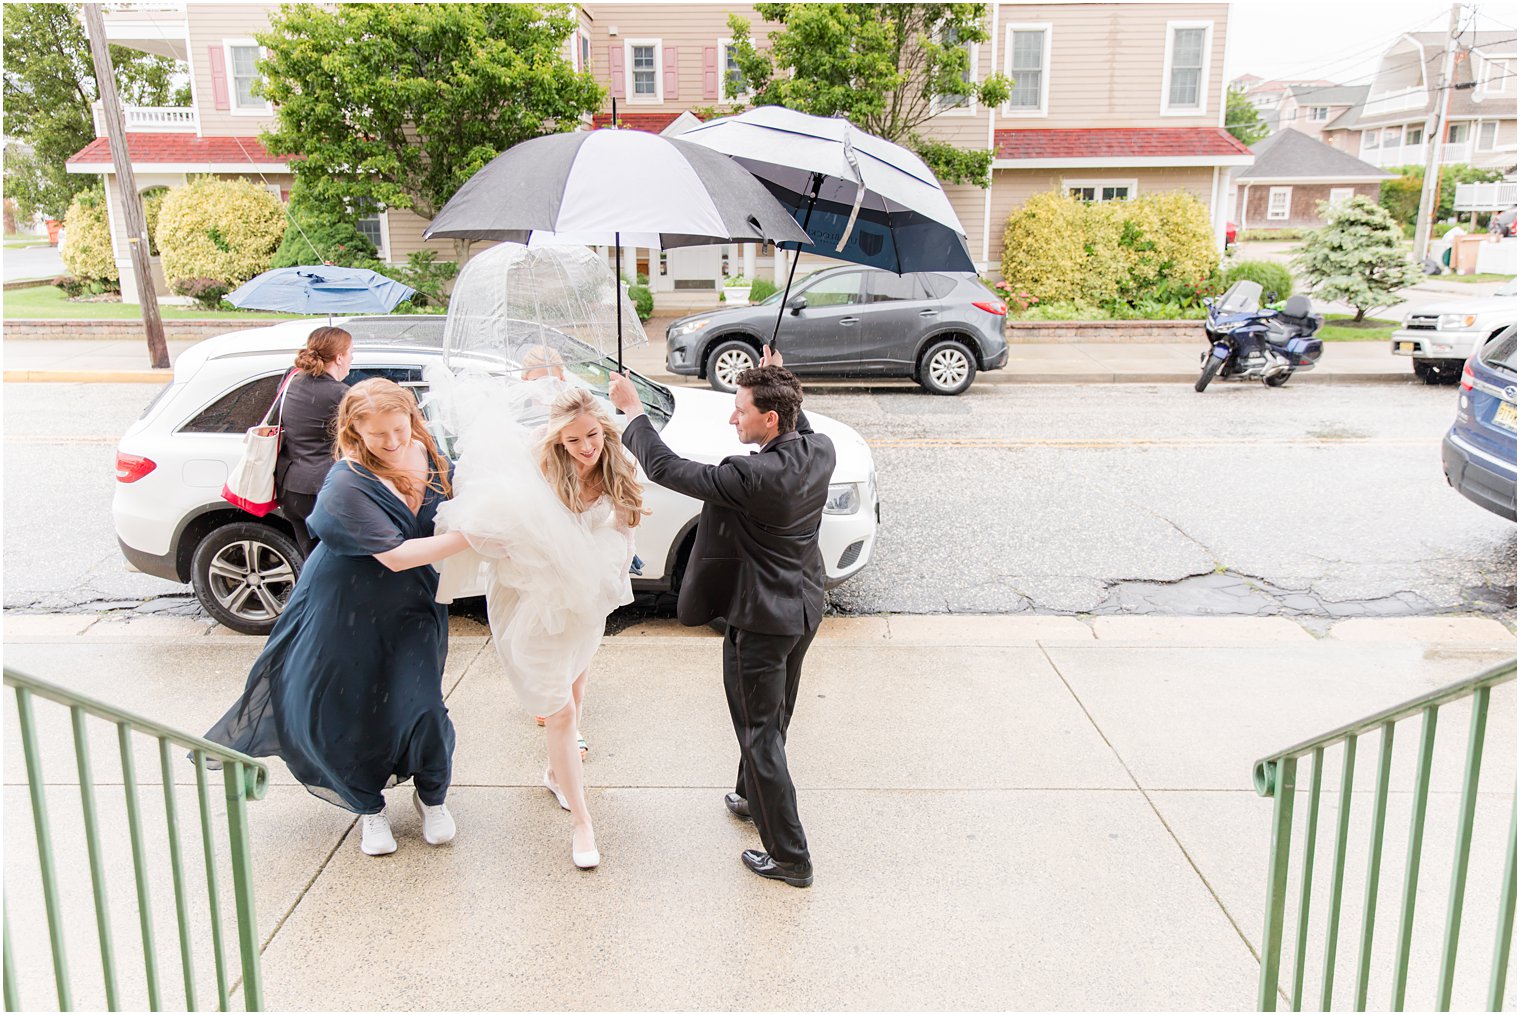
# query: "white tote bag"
{"type": "Point", "coordinates": [251, 483]}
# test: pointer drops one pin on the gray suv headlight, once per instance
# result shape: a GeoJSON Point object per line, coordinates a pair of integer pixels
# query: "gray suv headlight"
{"type": "Point", "coordinates": [687, 328]}
{"type": "Point", "coordinates": [844, 499]}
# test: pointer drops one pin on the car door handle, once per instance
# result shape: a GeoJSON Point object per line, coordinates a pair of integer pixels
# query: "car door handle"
{"type": "Point", "coordinates": [928, 313]}
{"type": "Point", "coordinates": [846, 321]}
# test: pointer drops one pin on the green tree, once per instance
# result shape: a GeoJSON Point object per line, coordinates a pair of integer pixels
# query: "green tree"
{"type": "Point", "coordinates": [1242, 118]}
{"type": "Point", "coordinates": [399, 104]}
{"type": "Point", "coordinates": [322, 230]}
{"type": "Point", "coordinates": [888, 67]}
{"type": "Point", "coordinates": [1357, 257]}
{"type": "Point", "coordinates": [1401, 195]}
{"type": "Point", "coordinates": [49, 89]}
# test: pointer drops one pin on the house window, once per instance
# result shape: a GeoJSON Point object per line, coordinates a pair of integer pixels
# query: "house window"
{"type": "Point", "coordinates": [1414, 135]}
{"type": "Point", "coordinates": [1279, 200]}
{"type": "Point", "coordinates": [1028, 65]}
{"type": "Point", "coordinates": [585, 48]}
{"type": "Point", "coordinates": [1498, 76]}
{"type": "Point", "coordinates": [1391, 136]}
{"type": "Point", "coordinates": [1369, 140]}
{"type": "Point", "coordinates": [368, 219]}
{"type": "Point", "coordinates": [1340, 195]}
{"type": "Point", "coordinates": [1293, 113]}
{"type": "Point", "coordinates": [1319, 113]}
{"type": "Point", "coordinates": [644, 70]}
{"type": "Point", "coordinates": [243, 57]}
{"type": "Point", "coordinates": [959, 102]}
{"type": "Point", "coordinates": [1488, 135]}
{"type": "Point", "coordinates": [1187, 62]}
{"type": "Point", "coordinates": [1100, 190]}
{"type": "Point", "coordinates": [1456, 133]}
{"type": "Point", "coordinates": [732, 76]}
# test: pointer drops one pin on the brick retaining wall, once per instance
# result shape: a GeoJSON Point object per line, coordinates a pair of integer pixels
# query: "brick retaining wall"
{"type": "Point", "coordinates": [174, 331]}
{"type": "Point", "coordinates": [1025, 332]}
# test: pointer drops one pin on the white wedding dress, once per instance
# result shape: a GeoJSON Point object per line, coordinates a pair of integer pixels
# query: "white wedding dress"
{"type": "Point", "coordinates": [552, 575]}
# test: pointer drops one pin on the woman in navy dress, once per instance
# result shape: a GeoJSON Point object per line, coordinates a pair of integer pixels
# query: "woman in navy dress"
{"type": "Point", "coordinates": [348, 690]}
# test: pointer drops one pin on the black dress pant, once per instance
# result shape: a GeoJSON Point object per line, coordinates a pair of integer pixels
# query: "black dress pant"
{"type": "Point", "coordinates": [760, 674]}
{"type": "Point", "coordinates": [297, 507]}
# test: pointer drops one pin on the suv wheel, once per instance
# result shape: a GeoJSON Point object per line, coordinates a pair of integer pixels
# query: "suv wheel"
{"type": "Point", "coordinates": [727, 361]}
{"type": "Point", "coordinates": [947, 368]}
{"type": "Point", "coordinates": [244, 573]}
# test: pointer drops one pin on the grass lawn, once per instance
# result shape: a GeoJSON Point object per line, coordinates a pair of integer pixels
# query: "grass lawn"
{"type": "Point", "coordinates": [49, 302]}
{"type": "Point", "coordinates": [1341, 329]}
{"type": "Point", "coordinates": [1475, 278]}
{"type": "Point", "coordinates": [22, 242]}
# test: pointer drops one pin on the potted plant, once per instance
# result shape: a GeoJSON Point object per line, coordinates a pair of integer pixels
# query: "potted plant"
{"type": "Point", "coordinates": [736, 289]}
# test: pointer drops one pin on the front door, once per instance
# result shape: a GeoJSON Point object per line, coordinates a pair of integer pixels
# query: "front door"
{"type": "Point", "coordinates": [825, 336]}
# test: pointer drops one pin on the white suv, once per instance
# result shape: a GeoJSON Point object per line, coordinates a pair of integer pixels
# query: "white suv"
{"type": "Point", "coordinates": [170, 467]}
{"type": "Point", "coordinates": [1440, 336]}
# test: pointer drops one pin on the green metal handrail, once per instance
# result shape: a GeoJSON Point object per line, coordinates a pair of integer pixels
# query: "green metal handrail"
{"type": "Point", "coordinates": [243, 778]}
{"type": "Point", "coordinates": [1276, 776]}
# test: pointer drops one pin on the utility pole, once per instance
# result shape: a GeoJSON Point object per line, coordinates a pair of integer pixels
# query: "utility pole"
{"type": "Point", "coordinates": [126, 181]}
{"type": "Point", "coordinates": [1435, 140]}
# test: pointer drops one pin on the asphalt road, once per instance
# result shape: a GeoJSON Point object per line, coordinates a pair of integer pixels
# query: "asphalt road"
{"type": "Point", "coordinates": [1317, 501]}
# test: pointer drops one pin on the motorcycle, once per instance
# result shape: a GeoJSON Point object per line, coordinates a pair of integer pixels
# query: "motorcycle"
{"type": "Point", "coordinates": [1256, 344]}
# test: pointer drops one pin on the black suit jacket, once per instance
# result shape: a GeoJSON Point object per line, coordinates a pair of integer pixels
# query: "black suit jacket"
{"type": "Point", "coordinates": [756, 560]}
{"type": "Point", "coordinates": [306, 443]}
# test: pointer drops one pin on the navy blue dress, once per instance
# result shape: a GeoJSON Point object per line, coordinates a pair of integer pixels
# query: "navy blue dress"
{"type": "Point", "coordinates": [349, 689]}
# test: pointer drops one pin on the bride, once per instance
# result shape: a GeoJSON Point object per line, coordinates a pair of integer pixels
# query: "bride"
{"type": "Point", "coordinates": [550, 518]}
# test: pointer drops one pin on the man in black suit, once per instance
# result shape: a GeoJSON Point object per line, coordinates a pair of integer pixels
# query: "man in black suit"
{"type": "Point", "coordinates": [756, 563]}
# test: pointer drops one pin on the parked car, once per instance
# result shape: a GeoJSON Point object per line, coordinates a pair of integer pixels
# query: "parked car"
{"type": "Point", "coordinates": [1441, 336]}
{"type": "Point", "coordinates": [1478, 452]}
{"type": "Point", "coordinates": [938, 328]}
{"type": "Point", "coordinates": [171, 465]}
{"type": "Point", "coordinates": [1507, 223]}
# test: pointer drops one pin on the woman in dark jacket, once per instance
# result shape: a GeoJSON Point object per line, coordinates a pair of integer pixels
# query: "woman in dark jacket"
{"type": "Point", "coordinates": [308, 416]}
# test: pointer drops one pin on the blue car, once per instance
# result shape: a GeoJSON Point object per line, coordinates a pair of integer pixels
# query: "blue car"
{"type": "Point", "coordinates": [1479, 450]}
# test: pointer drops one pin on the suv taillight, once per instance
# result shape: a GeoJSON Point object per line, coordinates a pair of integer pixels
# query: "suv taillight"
{"type": "Point", "coordinates": [1467, 376]}
{"type": "Point", "coordinates": [997, 307]}
{"type": "Point", "coordinates": [131, 468]}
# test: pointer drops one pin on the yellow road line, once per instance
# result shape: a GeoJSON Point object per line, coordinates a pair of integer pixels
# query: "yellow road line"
{"type": "Point", "coordinates": [1159, 442]}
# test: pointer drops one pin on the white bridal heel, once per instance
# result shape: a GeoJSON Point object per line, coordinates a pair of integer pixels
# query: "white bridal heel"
{"type": "Point", "coordinates": [549, 785]}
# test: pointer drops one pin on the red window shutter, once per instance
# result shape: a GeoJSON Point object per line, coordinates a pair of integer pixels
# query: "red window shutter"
{"type": "Point", "coordinates": [709, 72]}
{"type": "Point", "coordinates": [672, 74]}
{"type": "Point", "coordinates": [615, 63]}
{"type": "Point", "coordinates": [219, 79]}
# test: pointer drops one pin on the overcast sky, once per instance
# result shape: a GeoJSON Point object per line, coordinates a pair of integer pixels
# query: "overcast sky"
{"type": "Point", "coordinates": [1339, 40]}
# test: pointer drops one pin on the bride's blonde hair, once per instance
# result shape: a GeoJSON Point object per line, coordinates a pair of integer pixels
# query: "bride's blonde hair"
{"type": "Point", "coordinates": [615, 469]}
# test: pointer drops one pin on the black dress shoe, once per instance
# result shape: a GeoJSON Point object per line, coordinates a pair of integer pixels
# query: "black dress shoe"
{"type": "Point", "coordinates": [798, 875]}
{"type": "Point", "coordinates": [737, 805]}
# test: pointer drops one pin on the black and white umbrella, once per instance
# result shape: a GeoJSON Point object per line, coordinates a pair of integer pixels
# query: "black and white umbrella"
{"type": "Point", "coordinates": [861, 199]}
{"type": "Point", "coordinates": [614, 186]}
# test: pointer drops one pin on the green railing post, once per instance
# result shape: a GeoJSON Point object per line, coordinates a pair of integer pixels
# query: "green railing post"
{"type": "Point", "coordinates": [1282, 783]}
{"type": "Point", "coordinates": [242, 883]}
{"type": "Point", "coordinates": [12, 994]}
{"type": "Point", "coordinates": [38, 790]}
{"type": "Point", "coordinates": [1374, 865]}
{"type": "Point", "coordinates": [1506, 929]}
{"type": "Point", "coordinates": [139, 863]}
{"type": "Point", "coordinates": [97, 862]}
{"type": "Point", "coordinates": [1306, 890]}
{"type": "Point", "coordinates": [213, 896]}
{"type": "Point", "coordinates": [1456, 898]}
{"type": "Point", "coordinates": [176, 867]}
{"type": "Point", "coordinates": [1412, 854]}
{"type": "Point", "coordinates": [1338, 872]}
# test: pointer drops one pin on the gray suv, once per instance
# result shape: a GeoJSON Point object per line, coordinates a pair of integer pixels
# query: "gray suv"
{"type": "Point", "coordinates": [938, 328]}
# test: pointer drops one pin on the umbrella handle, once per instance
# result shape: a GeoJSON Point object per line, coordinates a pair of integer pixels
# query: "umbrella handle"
{"type": "Point", "coordinates": [812, 203]}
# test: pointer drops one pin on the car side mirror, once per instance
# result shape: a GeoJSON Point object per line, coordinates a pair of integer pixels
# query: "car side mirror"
{"type": "Point", "coordinates": [1208, 301]}
{"type": "Point", "coordinates": [796, 304]}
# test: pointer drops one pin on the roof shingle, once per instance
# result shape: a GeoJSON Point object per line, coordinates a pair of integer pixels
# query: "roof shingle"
{"type": "Point", "coordinates": [174, 149]}
{"type": "Point", "coordinates": [1116, 142]}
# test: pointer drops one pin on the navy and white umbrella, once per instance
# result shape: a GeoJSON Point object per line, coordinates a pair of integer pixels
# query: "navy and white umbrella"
{"type": "Point", "coordinates": [614, 186]}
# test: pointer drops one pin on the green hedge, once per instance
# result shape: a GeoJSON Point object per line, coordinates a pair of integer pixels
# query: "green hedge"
{"type": "Point", "coordinates": [1272, 277]}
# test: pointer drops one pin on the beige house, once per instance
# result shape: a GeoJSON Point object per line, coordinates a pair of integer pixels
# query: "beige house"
{"type": "Point", "coordinates": [1110, 101]}
{"type": "Point", "coordinates": [1309, 109]}
{"type": "Point", "coordinates": [1391, 126]}
{"type": "Point", "coordinates": [1293, 178]}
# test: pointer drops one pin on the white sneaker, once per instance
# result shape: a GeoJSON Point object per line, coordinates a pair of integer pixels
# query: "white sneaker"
{"type": "Point", "coordinates": [437, 822]}
{"type": "Point", "coordinates": [375, 837]}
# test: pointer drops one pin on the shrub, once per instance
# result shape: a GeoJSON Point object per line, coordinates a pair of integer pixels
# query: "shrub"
{"type": "Point", "coordinates": [1357, 257]}
{"type": "Point", "coordinates": [322, 230]}
{"type": "Point", "coordinates": [1270, 235]}
{"type": "Point", "coordinates": [227, 230]}
{"type": "Point", "coordinates": [206, 292]}
{"type": "Point", "coordinates": [643, 301]}
{"type": "Point", "coordinates": [761, 290]}
{"type": "Point", "coordinates": [152, 205]}
{"type": "Point", "coordinates": [1272, 277]}
{"type": "Point", "coordinates": [1170, 242]}
{"type": "Point", "coordinates": [1400, 196]}
{"type": "Point", "coordinates": [429, 276]}
{"type": "Point", "coordinates": [87, 252]}
{"type": "Point", "coordinates": [1044, 247]}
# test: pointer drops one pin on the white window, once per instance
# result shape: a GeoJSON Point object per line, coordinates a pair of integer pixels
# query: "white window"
{"type": "Point", "coordinates": [1293, 113]}
{"type": "Point", "coordinates": [1391, 136]}
{"type": "Point", "coordinates": [1100, 190]}
{"type": "Point", "coordinates": [1340, 195]}
{"type": "Point", "coordinates": [1498, 76]}
{"type": "Point", "coordinates": [1414, 135]}
{"type": "Point", "coordinates": [730, 77]}
{"type": "Point", "coordinates": [960, 103]}
{"type": "Point", "coordinates": [1027, 62]}
{"type": "Point", "coordinates": [1456, 133]}
{"type": "Point", "coordinates": [1319, 113]}
{"type": "Point", "coordinates": [369, 219]}
{"type": "Point", "coordinates": [1185, 84]}
{"type": "Point", "coordinates": [1279, 200]}
{"type": "Point", "coordinates": [642, 59]}
{"type": "Point", "coordinates": [1369, 140]}
{"type": "Point", "coordinates": [242, 59]}
{"type": "Point", "coordinates": [1488, 135]}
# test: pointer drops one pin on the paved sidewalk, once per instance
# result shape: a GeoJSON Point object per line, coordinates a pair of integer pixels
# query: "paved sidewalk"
{"type": "Point", "coordinates": [115, 361]}
{"type": "Point", "coordinates": [1005, 813]}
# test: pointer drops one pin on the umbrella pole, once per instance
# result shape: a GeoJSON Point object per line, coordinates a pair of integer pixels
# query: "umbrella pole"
{"type": "Point", "coordinates": [786, 293]}
{"type": "Point", "coordinates": [617, 239]}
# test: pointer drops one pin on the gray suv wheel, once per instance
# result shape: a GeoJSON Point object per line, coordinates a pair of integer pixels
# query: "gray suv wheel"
{"type": "Point", "coordinates": [244, 574]}
{"type": "Point", "coordinates": [947, 368]}
{"type": "Point", "coordinates": [727, 361]}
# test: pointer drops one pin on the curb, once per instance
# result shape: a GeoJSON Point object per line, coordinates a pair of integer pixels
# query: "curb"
{"type": "Point", "coordinates": [88, 376]}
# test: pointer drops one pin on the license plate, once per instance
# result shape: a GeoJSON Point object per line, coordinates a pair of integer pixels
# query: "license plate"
{"type": "Point", "coordinates": [1406, 347]}
{"type": "Point", "coordinates": [1504, 416]}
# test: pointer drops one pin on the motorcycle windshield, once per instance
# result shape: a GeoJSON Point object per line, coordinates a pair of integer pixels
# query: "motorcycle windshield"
{"type": "Point", "coordinates": [1243, 297]}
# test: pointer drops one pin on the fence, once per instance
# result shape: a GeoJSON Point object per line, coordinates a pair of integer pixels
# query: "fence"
{"type": "Point", "coordinates": [1277, 776]}
{"type": "Point", "coordinates": [243, 779]}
